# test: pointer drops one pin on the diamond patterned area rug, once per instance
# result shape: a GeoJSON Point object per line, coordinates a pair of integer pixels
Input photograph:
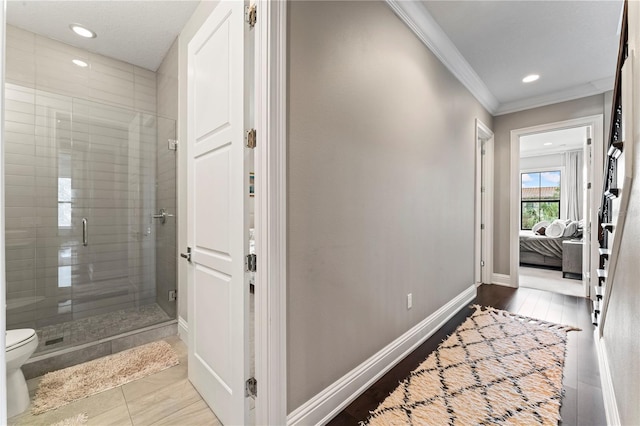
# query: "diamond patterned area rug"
{"type": "Point", "coordinates": [496, 368]}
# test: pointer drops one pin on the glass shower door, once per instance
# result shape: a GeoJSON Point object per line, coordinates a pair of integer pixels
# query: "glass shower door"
{"type": "Point", "coordinates": [82, 185]}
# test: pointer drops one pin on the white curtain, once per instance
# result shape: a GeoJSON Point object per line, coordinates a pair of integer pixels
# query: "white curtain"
{"type": "Point", "coordinates": [573, 161]}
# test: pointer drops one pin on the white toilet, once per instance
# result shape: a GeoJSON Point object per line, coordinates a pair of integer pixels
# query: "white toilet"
{"type": "Point", "coordinates": [20, 345]}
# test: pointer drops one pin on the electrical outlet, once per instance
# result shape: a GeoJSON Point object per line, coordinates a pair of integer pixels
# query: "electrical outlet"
{"type": "Point", "coordinates": [409, 301]}
{"type": "Point", "coordinates": [172, 295]}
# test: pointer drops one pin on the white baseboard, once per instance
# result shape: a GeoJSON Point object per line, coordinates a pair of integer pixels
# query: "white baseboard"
{"type": "Point", "coordinates": [501, 279]}
{"type": "Point", "coordinates": [328, 403]}
{"type": "Point", "coordinates": [608, 395]}
{"type": "Point", "coordinates": [183, 330]}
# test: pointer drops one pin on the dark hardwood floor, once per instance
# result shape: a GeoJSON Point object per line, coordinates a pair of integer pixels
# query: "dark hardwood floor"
{"type": "Point", "coordinates": [582, 403]}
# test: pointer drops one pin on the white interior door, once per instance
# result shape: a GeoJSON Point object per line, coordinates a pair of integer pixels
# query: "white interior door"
{"type": "Point", "coordinates": [218, 213]}
{"type": "Point", "coordinates": [587, 176]}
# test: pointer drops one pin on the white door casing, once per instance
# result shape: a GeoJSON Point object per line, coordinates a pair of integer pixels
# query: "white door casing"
{"type": "Point", "coordinates": [595, 176]}
{"type": "Point", "coordinates": [484, 204]}
{"type": "Point", "coordinates": [3, 285]}
{"type": "Point", "coordinates": [217, 224]}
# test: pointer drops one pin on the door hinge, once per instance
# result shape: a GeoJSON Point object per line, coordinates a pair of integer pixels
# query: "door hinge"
{"type": "Point", "coordinates": [251, 138]}
{"type": "Point", "coordinates": [482, 263]}
{"type": "Point", "coordinates": [251, 15]}
{"type": "Point", "coordinates": [588, 141]}
{"type": "Point", "coordinates": [482, 226]}
{"type": "Point", "coordinates": [250, 263]}
{"type": "Point", "coordinates": [589, 185]}
{"type": "Point", "coordinates": [251, 387]}
{"type": "Point", "coordinates": [172, 144]}
{"type": "Point", "coordinates": [483, 152]}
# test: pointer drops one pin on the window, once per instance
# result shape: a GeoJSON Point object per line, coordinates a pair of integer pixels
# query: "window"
{"type": "Point", "coordinates": [65, 193]}
{"type": "Point", "coordinates": [540, 197]}
{"type": "Point", "coordinates": [64, 202]}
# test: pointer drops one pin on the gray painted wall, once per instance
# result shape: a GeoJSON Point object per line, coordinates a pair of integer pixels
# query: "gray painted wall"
{"type": "Point", "coordinates": [502, 127]}
{"type": "Point", "coordinates": [381, 187]}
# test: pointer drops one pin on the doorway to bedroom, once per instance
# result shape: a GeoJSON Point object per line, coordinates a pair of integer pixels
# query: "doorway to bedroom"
{"type": "Point", "coordinates": [552, 186]}
{"type": "Point", "coordinates": [552, 175]}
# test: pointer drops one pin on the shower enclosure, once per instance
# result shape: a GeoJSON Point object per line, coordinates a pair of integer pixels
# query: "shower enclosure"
{"type": "Point", "coordinates": [89, 252]}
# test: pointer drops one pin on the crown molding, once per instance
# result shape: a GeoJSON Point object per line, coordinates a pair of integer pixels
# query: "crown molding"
{"type": "Point", "coordinates": [425, 27]}
{"type": "Point", "coordinates": [420, 21]}
{"type": "Point", "coordinates": [583, 90]}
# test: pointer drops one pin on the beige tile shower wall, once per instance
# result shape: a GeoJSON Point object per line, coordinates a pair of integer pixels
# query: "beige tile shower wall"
{"type": "Point", "coordinates": [106, 151]}
{"type": "Point", "coordinates": [113, 272]}
{"type": "Point", "coordinates": [20, 204]}
{"type": "Point", "coordinates": [40, 63]}
{"type": "Point", "coordinates": [166, 251]}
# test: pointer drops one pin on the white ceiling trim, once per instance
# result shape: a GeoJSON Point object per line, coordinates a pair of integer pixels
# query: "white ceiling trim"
{"type": "Point", "coordinates": [420, 21]}
{"type": "Point", "coordinates": [588, 89]}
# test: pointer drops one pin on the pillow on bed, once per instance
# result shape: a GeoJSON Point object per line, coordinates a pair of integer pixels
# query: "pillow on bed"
{"type": "Point", "coordinates": [571, 230]}
{"type": "Point", "coordinates": [537, 226]}
{"type": "Point", "coordinates": [556, 229]}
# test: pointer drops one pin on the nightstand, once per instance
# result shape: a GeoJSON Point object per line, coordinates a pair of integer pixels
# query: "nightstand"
{"type": "Point", "coordinates": [572, 259]}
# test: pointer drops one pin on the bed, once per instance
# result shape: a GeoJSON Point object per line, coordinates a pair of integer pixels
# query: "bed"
{"type": "Point", "coordinates": [541, 250]}
{"type": "Point", "coordinates": [542, 246]}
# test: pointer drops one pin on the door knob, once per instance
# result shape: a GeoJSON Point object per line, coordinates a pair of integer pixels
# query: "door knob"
{"type": "Point", "coordinates": [187, 255]}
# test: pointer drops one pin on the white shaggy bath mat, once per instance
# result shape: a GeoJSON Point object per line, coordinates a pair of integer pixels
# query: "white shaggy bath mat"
{"type": "Point", "coordinates": [80, 419]}
{"type": "Point", "coordinates": [61, 387]}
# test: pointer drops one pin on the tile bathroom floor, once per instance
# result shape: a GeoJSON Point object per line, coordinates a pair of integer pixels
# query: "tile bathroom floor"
{"type": "Point", "coordinates": [96, 327]}
{"type": "Point", "coordinates": [164, 398]}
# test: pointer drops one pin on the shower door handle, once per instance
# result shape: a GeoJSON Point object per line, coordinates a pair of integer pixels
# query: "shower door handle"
{"type": "Point", "coordinates": [85, 234]}
{"type": "Point", "coordinates": [162, 215]}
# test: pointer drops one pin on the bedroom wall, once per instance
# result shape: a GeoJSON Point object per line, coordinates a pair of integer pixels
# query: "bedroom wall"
{"type": "Point", "coordinates": [620, 334]}
{"type": "Point", "coordinates": [542, 161]}
{"type": "Point", "coordinates": [381, 187]}
{"type": "Point", "coordinates": [502, 127]}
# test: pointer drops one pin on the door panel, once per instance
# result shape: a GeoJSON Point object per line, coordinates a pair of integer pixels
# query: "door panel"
{"type": "Point", "coordinates": [212, 59]}
{"type": "Point", "coordinates": [212, 221]}
{"type": "Point", "coordinates": [214, 351]}
{"type": "Point", "coordinates": [217, 213]}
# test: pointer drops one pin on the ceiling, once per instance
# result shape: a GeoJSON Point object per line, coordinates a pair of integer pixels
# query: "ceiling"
{"type": "Point", "coordinates": [572, 45]}
{"type": "Point", "coordinates": [489, 45]}
{"type": "Point", "coordinates": [137, 32]}
{"type": "Point", "coordinates": [557, 140]}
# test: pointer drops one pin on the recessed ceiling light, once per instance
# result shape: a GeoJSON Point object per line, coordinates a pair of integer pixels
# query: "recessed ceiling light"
{"type": "Point", "coordinates": [80, 63]}
{"type": "Point", "coordinates": [82, 31]}
{"type": "Point", "coordinates": [548, 143]}
{"type": "Point", "coordinates": [530, 78]}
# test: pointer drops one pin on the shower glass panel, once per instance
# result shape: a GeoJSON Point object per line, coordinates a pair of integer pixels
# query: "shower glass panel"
{"type": "Point", "coordinates": [81, 183]}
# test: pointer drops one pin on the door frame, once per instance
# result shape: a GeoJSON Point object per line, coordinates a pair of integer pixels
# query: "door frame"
{"type": "Point", "coordinates": [484, 134]}
{"type": "Point", "coordinates": [595, 176]}
{"type": "Point", "coordinates": [3, 284]}
{"type": "Point", "coordinates": [270, 213]}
